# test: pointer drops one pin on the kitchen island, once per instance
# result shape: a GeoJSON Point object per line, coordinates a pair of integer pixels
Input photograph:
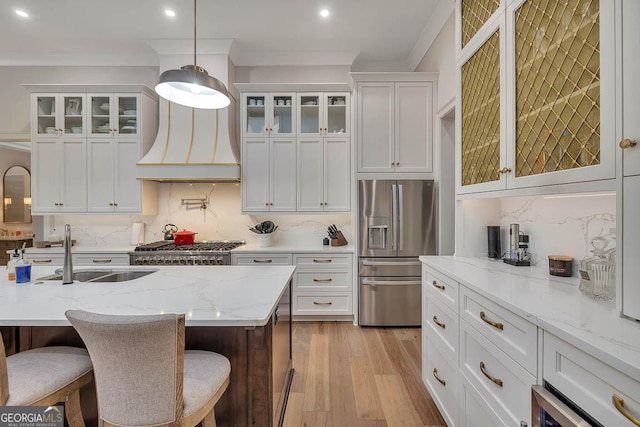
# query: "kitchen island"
{"type": "Point", "coordinates": [240, 312]}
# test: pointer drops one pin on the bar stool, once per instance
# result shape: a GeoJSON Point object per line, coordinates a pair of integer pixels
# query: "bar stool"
{"type": "Point", "coordinates": [143, 374]}
{"type": "Point", "coordinates": [45, 376]}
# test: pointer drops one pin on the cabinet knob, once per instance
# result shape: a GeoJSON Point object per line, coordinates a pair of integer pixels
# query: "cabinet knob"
{"type": "Point", "coordinates": [266, 204]}
{"type": "Point", "coordinates": [110, 204]}
{"type": "Point", "coordinates": [115, 204]}
{"type": "Point", "coordinates": [270, 204]}
{"type": "Point", "coordinates": [397, 163]}
{"type": "Point", "coordinates": [627, 143]}
{"type": "Point", "coordinates": [505, 170]}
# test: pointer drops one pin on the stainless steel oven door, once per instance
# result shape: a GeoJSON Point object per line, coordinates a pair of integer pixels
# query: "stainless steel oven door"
{"type": "Point", "coordinates": [544, 404]}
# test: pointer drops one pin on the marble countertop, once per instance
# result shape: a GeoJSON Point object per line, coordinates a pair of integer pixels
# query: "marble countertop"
{"type": "Point", "coordinates": [554, 304]}
{"type": "Point", "coordinates": [233, 296]}
{"type": "Point", "coordinates": [82, 249]}
{"type": "Point", "coordinates": [252, 248]}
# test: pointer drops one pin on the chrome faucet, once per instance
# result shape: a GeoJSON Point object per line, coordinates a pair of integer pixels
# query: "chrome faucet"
{"type": "Point", "coordinates": [67, 270]}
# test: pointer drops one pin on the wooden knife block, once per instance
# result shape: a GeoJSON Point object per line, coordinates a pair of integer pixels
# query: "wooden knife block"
{"type": "Point", "coordinates": [339, 240]}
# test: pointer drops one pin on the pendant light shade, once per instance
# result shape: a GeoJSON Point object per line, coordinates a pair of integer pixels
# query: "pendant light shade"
{"type": "Point", "coordinates": [191, 85]}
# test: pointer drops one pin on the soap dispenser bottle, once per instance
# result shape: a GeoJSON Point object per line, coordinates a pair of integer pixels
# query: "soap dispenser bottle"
{"type": "Point", "coordinates": [11, 265]}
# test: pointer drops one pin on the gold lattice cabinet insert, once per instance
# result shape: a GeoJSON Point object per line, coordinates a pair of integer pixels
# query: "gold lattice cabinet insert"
{"type": "Point", "coordinates": [481, 114]}
{"type": "Point", "coordinates": [557, 85]}
{"type": "Point", "coordinates": [474, 14]}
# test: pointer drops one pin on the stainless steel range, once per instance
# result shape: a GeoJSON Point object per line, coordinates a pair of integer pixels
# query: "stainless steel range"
{"type": "Point", "coordinates": [168, 253]}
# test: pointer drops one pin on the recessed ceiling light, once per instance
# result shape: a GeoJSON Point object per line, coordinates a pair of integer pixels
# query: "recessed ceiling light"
{"type": "Point", "coordinates": [22, 13]}
{"type": "Point", "coordinates": [324, 13]}
{"type": "Point", "coordinates": [170, 13]}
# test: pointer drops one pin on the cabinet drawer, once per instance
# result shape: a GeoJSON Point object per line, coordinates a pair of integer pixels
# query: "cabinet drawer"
{"type": "Point", "coordinates": [442, 381]}
{"type": "Point", "coordinates": [440, 324]}
{"type": "Point", "coordinates": [474, 411]}
{"type": "Point", "coordinates": [56, 259]}
{"type": "Point", "coordinates": [589, 383]}
{"type": "Point", "coordinates": [441, 287]}
{"type": "Point", "coordinates": [316, 261]}
{"type": "Point", "coordinates": [510, 332]}
{"type": "Point", "coordinates": [323, 281]}
{"type": "Point", "coordinates": [320, 303]}
{"type": "Point", "coordinates": [101, 259]}
{"type": "Point", "coordinates": [503, 383]}
{"type": "Point", "coordinates": [262, 259]}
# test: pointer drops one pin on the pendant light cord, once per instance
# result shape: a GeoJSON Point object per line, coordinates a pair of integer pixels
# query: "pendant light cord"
{"type": "Point", "coordinates": [194, 33]}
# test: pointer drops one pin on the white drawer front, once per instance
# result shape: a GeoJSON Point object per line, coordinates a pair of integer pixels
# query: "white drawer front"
{"type": "Point", "coordinates": [442, 381]}
{"type": "Point", "coordinates": [101, 259]}
{"type": "Point", "coordinates": [441, 324]}
{"type": "Point", "coordinates": [46, 259]}
{"type": "Point", "coordinates": [511, 399]}
{"type": "Point", "coordinates": [261, 259]}
{"type": "Point", "coordinates": [441, 287]}
{"type": "Point", "coordinates": [316, 261]}
{"type": "Point", "coordinates": [474, 412]}
{"type": "Point", "coordinates": [323, 281]}
{"type": "Point", "coordinates": [510, 332]}
{"type": "Point", "coordinates": [320, 303]}
{"type": "Point", "coordinates": [589, 383]}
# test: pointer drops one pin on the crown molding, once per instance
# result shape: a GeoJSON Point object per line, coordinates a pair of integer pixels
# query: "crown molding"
{"type": "Point", "coordinates": [438, 18]}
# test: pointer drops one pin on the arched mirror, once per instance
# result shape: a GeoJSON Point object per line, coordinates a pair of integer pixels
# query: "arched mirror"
{"type": "Point", "coordinates": [16, 187]}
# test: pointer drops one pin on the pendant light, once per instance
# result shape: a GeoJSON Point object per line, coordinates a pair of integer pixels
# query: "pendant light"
{"type": "Point", "coordinates": [191, 85]}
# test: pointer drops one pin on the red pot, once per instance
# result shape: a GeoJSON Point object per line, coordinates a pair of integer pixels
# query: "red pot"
{"type": "Point", "coordinates": [184, 237]}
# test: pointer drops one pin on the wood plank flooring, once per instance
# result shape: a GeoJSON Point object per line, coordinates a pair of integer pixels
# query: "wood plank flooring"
{"type": "Point", "coordinates": [349, 376]}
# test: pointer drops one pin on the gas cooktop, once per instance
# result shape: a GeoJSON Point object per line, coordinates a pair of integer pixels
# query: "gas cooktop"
{"type": "Point", "coordinates": [167, 246]}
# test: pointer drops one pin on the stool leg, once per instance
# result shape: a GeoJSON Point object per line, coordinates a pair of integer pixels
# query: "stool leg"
{"type": "Point", "coordinates": [209, 420]}
{"type": "Point", "coordinates": [72, 409]}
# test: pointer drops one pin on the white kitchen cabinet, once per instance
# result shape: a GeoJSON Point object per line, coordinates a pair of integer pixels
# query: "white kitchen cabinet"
{"type": "Point", "coordinates": [269, 175]}
{"type": "Point", "coordinates": [629, 206]}
{"type": "Point", "coordinates": [85, 149]}
{"type": "Point", "coordinates": [323, 114]}
{"type": "Point", "coordinates": [59, 176]}
{"type": "Point", "coordinates": [474, 411]}
{"type": "Point", "coordinates": [58, 115]}
{"type": "Point", "coordinates": [113, 114]}
{"type": "Point", "coordinates": [112, 183]}
{"type": "Point", "coordinates": [518, 129]}
{"type": "Point", "coordinates": [324, 174]}
{"type": "Point", "coordinates": [395, 124]}
{"type": "Point", "coordinates": [268, 114]}
{"type": "Point", "coordinates": [84, 259]}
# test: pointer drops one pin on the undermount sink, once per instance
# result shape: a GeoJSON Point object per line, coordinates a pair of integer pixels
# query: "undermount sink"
{"type": "Point", "coordinates": [103, 275]}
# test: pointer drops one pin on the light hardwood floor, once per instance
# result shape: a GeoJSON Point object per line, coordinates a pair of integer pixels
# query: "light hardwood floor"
{"type": "Point", "coordinates": [349, 376]}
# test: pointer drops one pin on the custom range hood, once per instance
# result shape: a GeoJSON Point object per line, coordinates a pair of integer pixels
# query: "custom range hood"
{"type": "Point", "coordinates": [193, 145]}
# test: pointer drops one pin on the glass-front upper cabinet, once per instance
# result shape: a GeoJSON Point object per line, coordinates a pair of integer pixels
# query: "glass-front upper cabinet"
{"type": "Point", "coordinates": [268, 114]}
{"type": "Point", "coordinates": [323, 114]}
{"type": "Point", "coordinates": [113, 114]}
{"type": "Point", "coordinates": [58, 115]}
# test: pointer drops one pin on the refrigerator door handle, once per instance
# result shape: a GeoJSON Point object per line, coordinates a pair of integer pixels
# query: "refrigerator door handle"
{"type": "Point", "coordinates": [394, 216]}
{"type": "Point", "coordinates": [400, 218]}
{"type": "Point", "coordinates": [391, 263]}
{"type": "Point", "coordinates": [371, 282]}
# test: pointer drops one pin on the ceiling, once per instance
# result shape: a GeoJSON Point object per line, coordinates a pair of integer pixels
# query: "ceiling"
{"type": "Point", "coordinates": [366, 34]}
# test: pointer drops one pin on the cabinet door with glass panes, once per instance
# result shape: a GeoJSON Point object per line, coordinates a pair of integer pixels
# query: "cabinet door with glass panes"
{"type": "Point", "coordinates": [57, 115]}
{"type": "Point", "coordinates": [323, 114]}
{"type": "Point", "coordinates": [268, 114]}
{"type": "Point", "coordinates": [112, 114]}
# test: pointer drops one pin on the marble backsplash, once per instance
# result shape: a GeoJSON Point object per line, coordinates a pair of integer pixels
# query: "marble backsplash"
{"type": "Point", "coordinates": [560, 225]}
{"type": "Point", "coordinates": [221, 220]}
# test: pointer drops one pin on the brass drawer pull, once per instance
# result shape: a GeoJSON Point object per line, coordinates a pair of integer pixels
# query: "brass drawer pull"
{"type": "Point", "coordinates": [41, 261]}
{"type": "Point", "coordinates": [627, 143]}
{"type": "Point", "coordinates": [322, 260]}
{"type": "Point", "coordinates": [497, 381]}
{"type": "Point", "coordinates": [323, 280]}
{"type": "Point", "coordinates": [440, 380]}
{"type": "Point", "coordinates": [102, 261]}
{"type": "Point", "coordinates": [322, 303]}
{"type": "Point", "coordinates": [490, 322]}
{"type": "Point", "coordinates": [618, 402]}
{"type": "Point", "coordinates": [435, 320]}
{"type": "Point", "coordinates": [263, 261]}
{"type": "Point", "coordinates": [435, 285]}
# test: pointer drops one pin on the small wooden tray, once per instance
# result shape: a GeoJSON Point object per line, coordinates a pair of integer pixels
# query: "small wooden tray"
{"type": "Point", "coordinates": [339, 240]}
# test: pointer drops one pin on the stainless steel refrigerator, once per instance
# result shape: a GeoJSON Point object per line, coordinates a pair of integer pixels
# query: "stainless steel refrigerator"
{"type": "Point", "coordinates": [396, 224]}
